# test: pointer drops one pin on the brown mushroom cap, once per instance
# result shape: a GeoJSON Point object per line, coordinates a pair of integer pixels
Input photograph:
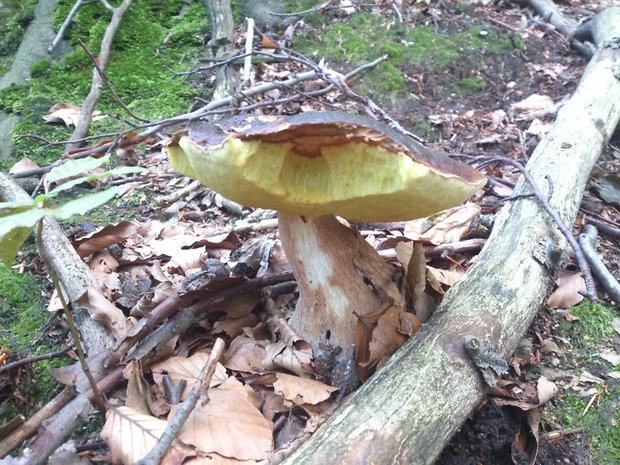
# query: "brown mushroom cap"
{"type": "Point", "coordinates": [323, 163]}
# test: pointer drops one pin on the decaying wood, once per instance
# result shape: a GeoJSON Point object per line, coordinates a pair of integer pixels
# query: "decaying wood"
{"type": "Point", "coordinates": [88, 107]}
{"type": "Point", "coordinates": [408, 411]}
{"type": "Point", "coordinates": [226, 79]}
{"type": "Point", "coordinates": [76, 279]}
{"type": "Point", "coordinates": [568, 27]}
{"type": "Point", "coordinates": [31, 425]}
{"type": "Point", "coordinates": [55, 431]}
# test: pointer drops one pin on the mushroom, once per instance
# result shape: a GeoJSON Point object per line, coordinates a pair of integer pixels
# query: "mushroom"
{"type": "Point", "coordinates": [311, 167]}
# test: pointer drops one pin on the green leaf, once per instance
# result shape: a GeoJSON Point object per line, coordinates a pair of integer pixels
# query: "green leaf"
{"type": "Point", "coordinates": [11, 208]}
{"type": "Point", "coordinates": [75, 167]}
{"type": "Point", "coordinates": [15, 229]}
{"type": "Point", "coordinates": [83, 204]}
{"type": "Point", "coordinates": [123, 170]}
{"type": "Point", "coordinates": [119, 171]}
{"type": "Point", "coordinates": [71, 184]}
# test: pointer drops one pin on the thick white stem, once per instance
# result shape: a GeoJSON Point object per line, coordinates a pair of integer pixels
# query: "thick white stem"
{"type": "Point", "coordinates": [339, 276]}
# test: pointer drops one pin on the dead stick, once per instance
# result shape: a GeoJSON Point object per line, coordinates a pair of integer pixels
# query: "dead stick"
{"type": "Point", "coordinates": [33, 423]}
{"type": "Point", "coordinates": [186, 317]}
{"type": "Point", "coordinates": [65, 25]}
{"type": "Point", "coordinates": [587, 240]}
{"type": "Point", "coordinates": [157, 453]}
{"type": "Point", "coordinates": [552, 212]}
{"type": "Point", "coordinates": [32, 359]}
{"type": "Point", "coordinates": [88, 107]}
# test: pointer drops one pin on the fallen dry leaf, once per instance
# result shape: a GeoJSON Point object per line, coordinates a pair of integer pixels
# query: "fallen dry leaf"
{"type": "Point", "coordinates": [447, 277]}
{"type": "Point", "coordinates": [245, 355]}
{"type": "Point", "coordinates": [386, 337]}
{"type": "Point", "coordinates": [531, 106]}
{"type": "Point", "coordinates": [68, 114]}
{"type": "Point", "coordinates": [130, 435]}
{"type": "Point", "coordinates": [444, 227]}
{"type": "Point", "coordinates": [302, 391]}
{"type": "Point", "coordinates": [279, 355]}
{"type": "Point", "coordinates": [188, 369]}
{"type": "Point", "coordinates": [24, 164]}
{"type": "Point", "coordinates": [546, 390]}
{"type": "Point", "coordinates": [104, 237]}
{"type": "Point", "coordinates": [229, 425]}
{"type": "Point", "coordinates": [568, 292]}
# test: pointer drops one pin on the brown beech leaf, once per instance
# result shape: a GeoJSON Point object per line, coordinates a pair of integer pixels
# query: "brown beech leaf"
{"type": "Point", "coordinates": [104, 237]}
{"type": "Point", "coordinates": [280, 355]}
{"type": "Point", "coordinates": [229, 425]}
{"type": "Point", "coordinates": [130, 435]}
{"type": "Point", "coordinates": [137, 392]}
{"type": "Point", "coordinates": [245, 355]}
{"type": "Point", "coordinates": [386, 337]}
{"type": "Point", "coordinates": [302, 391]}
{"type": "Point", "coordinates": [568, 292]}
{"type": "Point", "coordinates": [216, 459]}
{"type": "Point", "coordinates": [152, 299]}
{"type": "Point", "coordinates": [411, 256]}
{"type": "Point", "coordinates": [66, 113]}
{"type": "Point", "coordinates": [546, 390]}
{"type": "Point", "coordinates": [444, 227]}
{"type": "Point", "coordinates": [233, 327]}
{"type": "Point", "coordinates": [102, 310]}
{"type": "Point", "coordinates": [24, 164]}
{"type": "Point", "coordinates": [447, 277]}
{"type": "Point", "coordinates": [188, 369]}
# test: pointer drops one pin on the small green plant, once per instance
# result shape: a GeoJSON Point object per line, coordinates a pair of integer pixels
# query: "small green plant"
{"type": "Point", "coordinates": [17, 219]}
{"type": "Point", "coordinates": [594, 325]}
{"type": "Point", "coordinates": [599, 422]}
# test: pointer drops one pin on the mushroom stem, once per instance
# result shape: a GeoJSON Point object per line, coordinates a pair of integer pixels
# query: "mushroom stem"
{"type": "Point", "coordinates": [339, 276]}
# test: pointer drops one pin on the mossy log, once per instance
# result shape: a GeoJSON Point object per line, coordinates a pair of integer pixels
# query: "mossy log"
{"type": "Point", "coordinates": [75, 277]}
{"type": "Point", "coordinates": [408, 411]}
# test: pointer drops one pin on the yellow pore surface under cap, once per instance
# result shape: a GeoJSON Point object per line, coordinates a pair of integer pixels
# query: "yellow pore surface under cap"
{"type": "Point", "coordinates": [357, 181]}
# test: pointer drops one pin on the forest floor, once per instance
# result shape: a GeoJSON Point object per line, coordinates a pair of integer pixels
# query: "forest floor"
{"type": "Point", "coordinates": [471, 80]}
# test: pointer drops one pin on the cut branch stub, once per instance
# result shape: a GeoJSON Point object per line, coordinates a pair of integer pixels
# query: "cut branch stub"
{"type": "Point", "coordinates": [311, 167]}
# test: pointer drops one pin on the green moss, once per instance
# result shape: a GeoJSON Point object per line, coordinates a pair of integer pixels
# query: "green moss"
{"type": "Point", "coordinates": [15, 15]}
{"type": "Point", "coordinates": [365, 37]}
{"type": "Point", "coordinates": [152, 43]}
{"type": "Point", "coordinates": [21, 308]}
{"type": "Point", "coordinates": [593, 326]}
{"type": "Point", "coordinates": [468, 86]}
{"type": "Point", "coordinates": [40, 68]}
{"type": "Point", "coordinates": [22, 315]}
{"type": "Point", "coordinates": [599, 423]}
{"type": "Point", "coordinates": [315, 19]}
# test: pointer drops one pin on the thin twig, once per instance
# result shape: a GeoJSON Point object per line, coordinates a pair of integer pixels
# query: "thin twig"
{"type": "Point", "coordinates": [32, 359]}
{"type": "Point", "coordinates": [544, 201]}
{"type": "Point", "coordinates": [174, 426]}
{"type": "Point", "coordinates": [88, 106]}
{"type": "Point", "coordinates": [106, 81]}
{"type": "Point", "coordinates": [587, 240]}
{"type": "Point", "coordinates": [65, 25]}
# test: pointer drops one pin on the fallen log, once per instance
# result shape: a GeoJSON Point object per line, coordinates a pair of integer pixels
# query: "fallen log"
{"type": "Point", "coordinates": [97, 319]}
{"type": "Point", "coordinates": [408, 410]}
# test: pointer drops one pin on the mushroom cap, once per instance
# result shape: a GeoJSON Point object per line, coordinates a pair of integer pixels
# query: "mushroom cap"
{"type": "Point", "coordinates": [322, 163]}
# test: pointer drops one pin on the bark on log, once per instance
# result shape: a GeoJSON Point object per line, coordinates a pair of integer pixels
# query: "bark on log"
{"type": "Point", "coordinates": [226, 79]}
{"type": "Point", "coordinates": [94, 314]}
{"type": "Point", "coordinates": [408, 411]}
